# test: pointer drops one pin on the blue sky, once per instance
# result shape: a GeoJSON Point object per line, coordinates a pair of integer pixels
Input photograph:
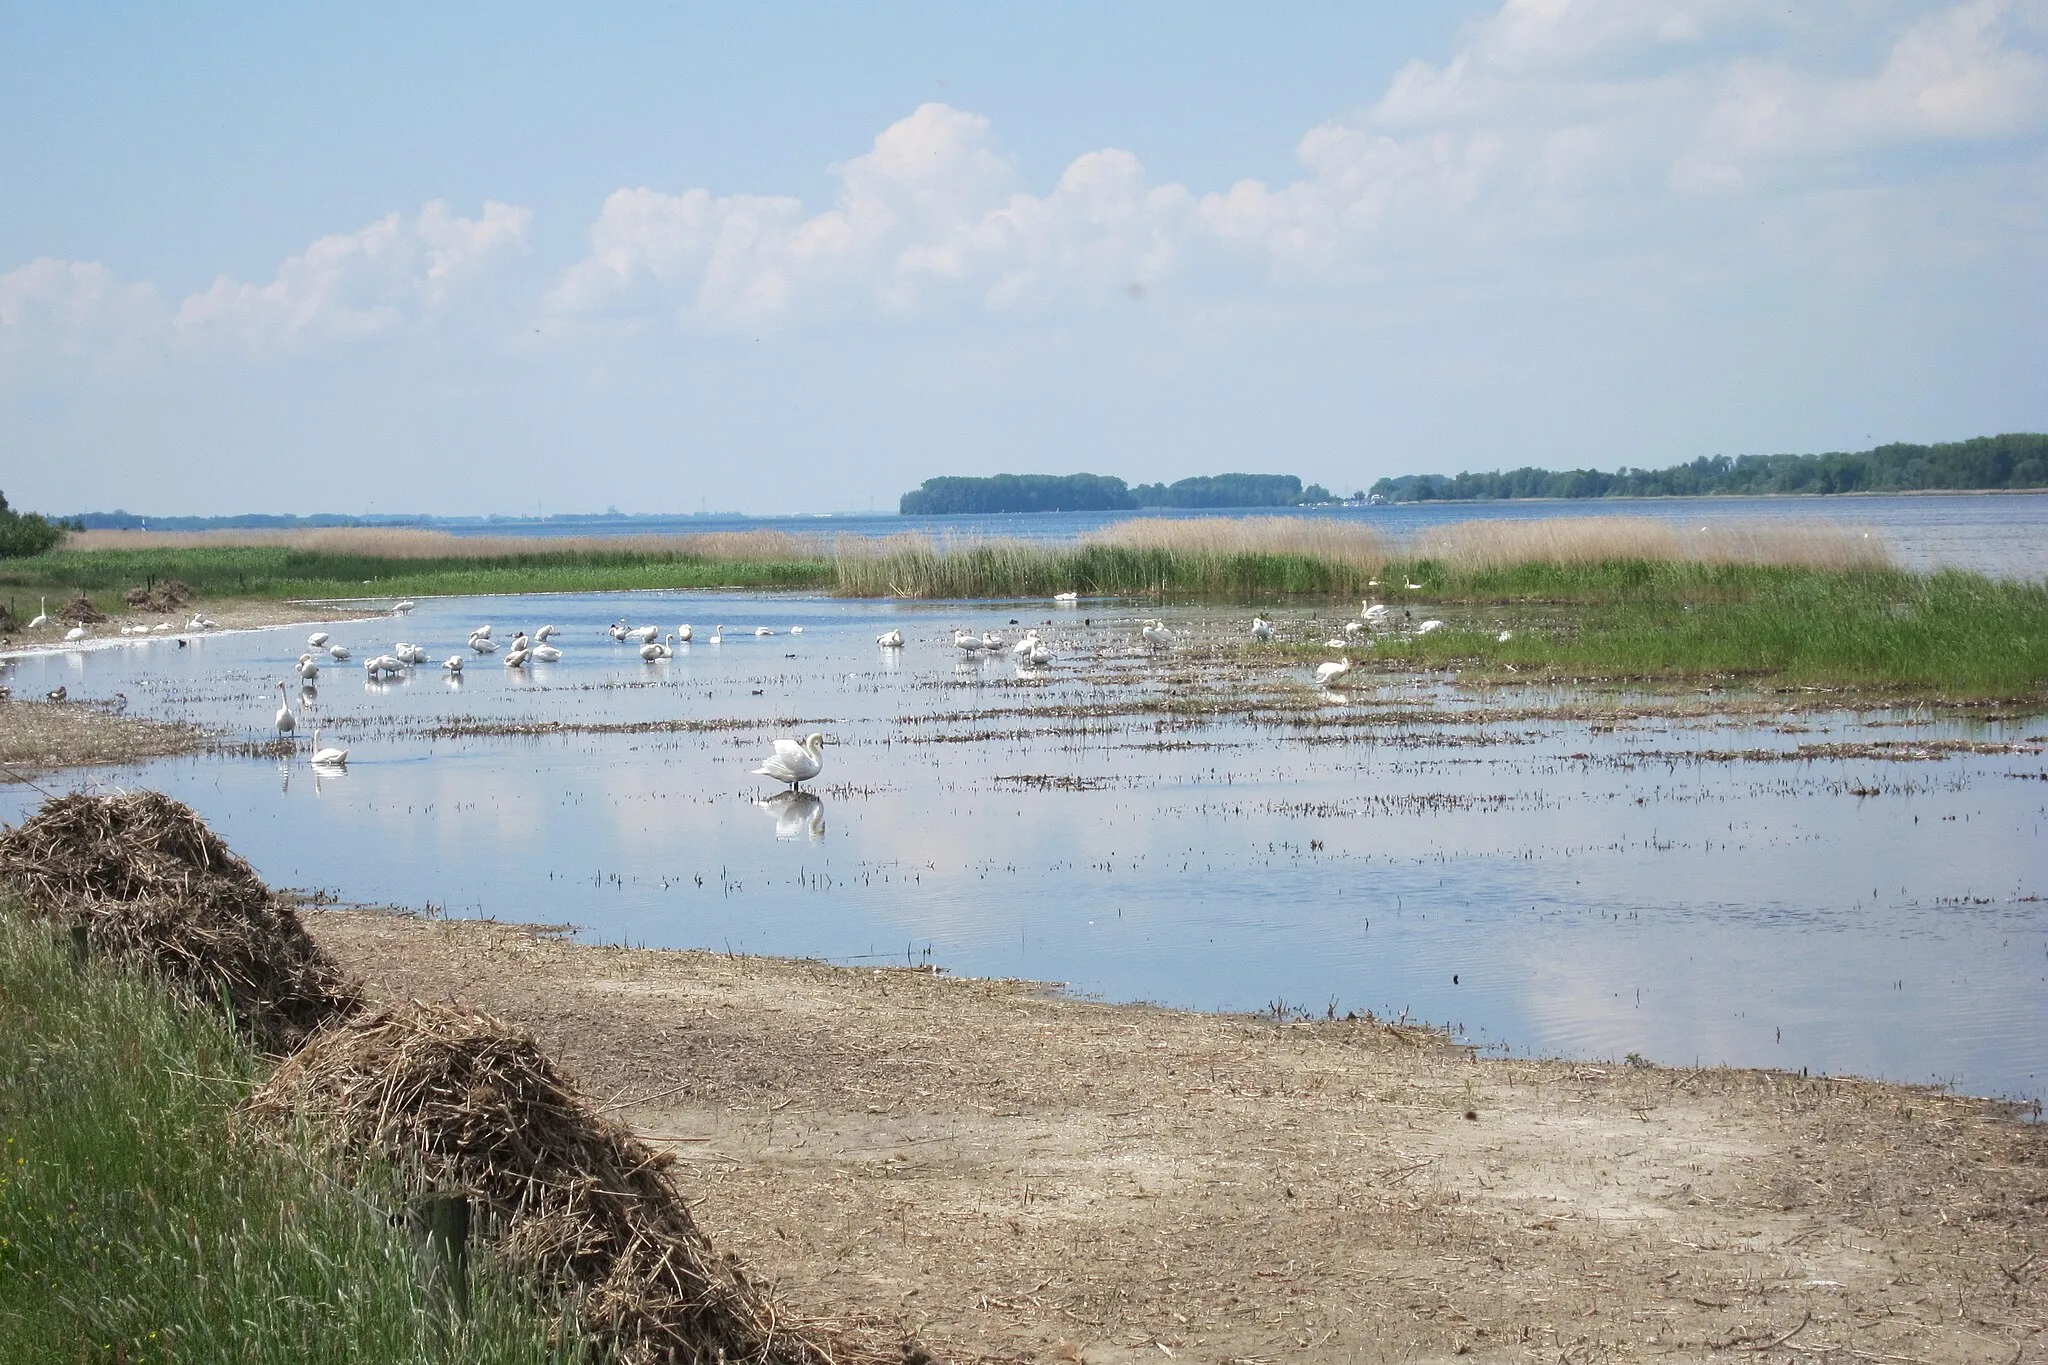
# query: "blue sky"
{"type": "Point", "coordinates": [500, 259]}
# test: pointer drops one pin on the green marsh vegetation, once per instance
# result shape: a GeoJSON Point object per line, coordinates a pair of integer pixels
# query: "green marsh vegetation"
{"type": "Point", "coordinates": [1817, 604]}
{"type": "Point", "coordinates": [142, 1219]}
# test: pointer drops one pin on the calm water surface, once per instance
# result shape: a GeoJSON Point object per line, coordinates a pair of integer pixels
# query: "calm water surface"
{"type": "Point", "coordinates": [1682, 888]}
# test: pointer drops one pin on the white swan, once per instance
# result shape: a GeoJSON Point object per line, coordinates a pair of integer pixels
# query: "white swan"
{"type": "Point", "coordinates": [409, 653]}
{"type": "Point", "coordinates": [306, 668]}
{"type": "Point", "coordinates": [796, 630]}
{"type": "Point", "coordinates": [402, 608]}
{"type": "Point", "coordinates": [1429, 627]}
{"type": "Point", "coordinates": [683, 632]}
{"type": "Point", "coordinates": [762, 630]}
{"type": "Point", "coordinates": [483, 644]}
{"type": "Point", "coordinates": [337, 652]}
{"type": "Point", "coordinates": [327, 758]}
{"type": "Point", "coordinates": [318, 639]}
{"type": "Point", "coordinates": [1023, 646]}
{"type": "Point", "coordinates": [646, 635]}
{"type": "Point", "coordinates": [1066, 597]}
{"type": "Point", "coordinates": [42, 615]}
{"type": "Point", "coordinates": [516, 656]}
{"type": "Point", "coordinates": [991, 641]}
{"type": "Point", "coordinates": [1328, 673]}
{"type": "Point", "coordinates": [201, 621]}
{"type": "Point", "coordinates": [1375, 613]}
{"type": "Point", "coordinates": [1415, 587]}
{"type": "Point", "coordinates": [1262, 629]}
{"type": "Point", "coordinates": [547, 654]}
{"type": "Point", "coordinates": [1156, 633]}
{"type": "Point", "coordinates": [77, 633]}
{"type": "Point", "coordinates": [718, 635]}
{"type": "Point", "coordinates": [617, 629]}
{"type": "Point", "coordinates": [890, 639]}
{"type": "Point", "coordinates": [381, 667]}
{"type": "Point", "coordinates": [1040, 654]}
{"type": "Point", "coordinates": [546, 633]}
{"type": "Point", "coordinates": [794, 763]}
{"type": "Point", "coordinates": [481, 632]}
{"type": "Point", "coordinates": [453, 663]}
{"type": "Point", "coordinates": [654, 653]}
{"type": "Point", "coordinates": [285, 721]}
{"type": "Point", "coordinates": [965, 643]}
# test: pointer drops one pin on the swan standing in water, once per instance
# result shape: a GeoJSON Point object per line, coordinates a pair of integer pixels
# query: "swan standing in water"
{"type": "Point", "coordinates": [1156, 633]}
{"type": "Point", "coordinates": [547, 654]}
{"type": "Point", "coordinates": [403, 608]}
{"type": "Point", "coordinates": [483, 644]}
{"type": "Point", "coordinates": [1262, 629]}
{"type": "Point", "coordinates": [453, 664]}
{"type": "Point", "coordinates": [683, 632]}
{"type": "Point", "coordinates": [318, 639]}
{"type": "Point", "coordinates": [794, 763]}
{"type": "Point", "coordinates": [327, 758]}
{"type": "Point", "coordinates": [890, 639]}
{"type": "Point", "coordinates": [654, 653]}
{"type": "Point", "coordinates": [965, 643]}
{"type": "Point", "coordinates": [545, 633]}
{"type": "Point", "coordinates": [645, 635]}
{"type": "Point", "coordinates": [762, 630]}
{"type": "Point", "coordinates": [1332, 671]}
{"type": "Point", "coordinates": [285, 721]}
{"type": "Point", "coordinates": [308, 668]}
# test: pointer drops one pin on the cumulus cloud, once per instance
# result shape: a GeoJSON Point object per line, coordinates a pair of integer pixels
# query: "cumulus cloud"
{"type": "Point", "coordinates": [357, 283]}
{"type": "Point", "coordinates": [74, 309]}
{"type": "Point", "coordinates": [1553, 116]}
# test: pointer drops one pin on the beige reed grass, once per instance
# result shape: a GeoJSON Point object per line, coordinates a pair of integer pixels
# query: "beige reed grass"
{"type": "Point", "coordinates": [1467, 546]}
{"type": "Point", "coordinates": [378, 542]}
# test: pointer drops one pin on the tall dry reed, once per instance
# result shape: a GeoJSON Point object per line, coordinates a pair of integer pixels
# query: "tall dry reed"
{"type": "Point", "coordinates": [1469, 546]}
{"type": "Point", "coordinates": [396, 542]}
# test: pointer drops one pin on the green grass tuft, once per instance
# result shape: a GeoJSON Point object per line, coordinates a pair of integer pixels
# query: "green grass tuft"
{"type": "Point", "coordinates": [141, 1221]}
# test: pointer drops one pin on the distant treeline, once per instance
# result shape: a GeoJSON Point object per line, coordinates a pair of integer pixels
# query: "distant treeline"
{"type": "Point", "coordinates": [1102, 493]}
{"type": "Point", "coordinates": [25, 533]}
{"type": "Point", "coordinates": [2014, 460]}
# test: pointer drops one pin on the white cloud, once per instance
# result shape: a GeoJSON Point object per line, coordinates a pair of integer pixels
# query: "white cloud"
{"type": "Point", "coordinates": [354, 284]}
{"type": "Point", "coordinates": [73, 309]}
{"type": "Point", "coordinates": [1557, 120]}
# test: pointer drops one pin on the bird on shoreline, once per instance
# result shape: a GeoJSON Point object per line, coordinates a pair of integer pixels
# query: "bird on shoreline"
{"type": "Point", "coordinates": [42, 617]}
{"type": "Point", "coordinates": [794, 763]}
{"type": "Point", "coordinates": [77, 633]}
{"type": "Point", "coordinates": [1327, 673]}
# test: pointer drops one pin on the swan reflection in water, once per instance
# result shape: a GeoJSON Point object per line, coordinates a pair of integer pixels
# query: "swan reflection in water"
{"type": "Point", "coordinates": [797, 814]}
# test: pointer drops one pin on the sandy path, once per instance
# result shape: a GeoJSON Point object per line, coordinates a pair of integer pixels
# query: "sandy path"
{"type": "Point", "coordinates": [1013, 1175]}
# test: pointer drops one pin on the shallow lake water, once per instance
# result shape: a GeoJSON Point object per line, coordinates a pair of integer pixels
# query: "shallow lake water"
{"type": "Point", "coordinates": [1550, 873]}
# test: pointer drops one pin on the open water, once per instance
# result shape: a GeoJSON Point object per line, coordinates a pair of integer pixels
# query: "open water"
{"type": "Point", "coordinates": [1846, 893]}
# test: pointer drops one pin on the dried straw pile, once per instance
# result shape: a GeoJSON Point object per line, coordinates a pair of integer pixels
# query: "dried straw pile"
{"type": "Point", "coordinates": [168, 595]}
{"type": "Point", "coordinates": [470, 1104]}
{"type": "Point", "coordinates": [147, 878]}
{"type": "Point", "coordinates": [80, 611]}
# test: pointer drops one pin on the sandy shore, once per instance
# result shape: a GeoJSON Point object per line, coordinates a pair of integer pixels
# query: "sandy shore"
{"type": "Point", "coordinates": [1015, 1175]}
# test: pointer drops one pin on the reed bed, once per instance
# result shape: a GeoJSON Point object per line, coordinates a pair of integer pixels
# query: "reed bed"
{"type": "Point", "coordinates": [411, 543]}
{"type": "Point", "coordinates": [1477, 546]}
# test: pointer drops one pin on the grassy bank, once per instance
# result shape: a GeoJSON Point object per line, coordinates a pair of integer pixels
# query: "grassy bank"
{"type": "Point", "coordinates": [140, 1220]}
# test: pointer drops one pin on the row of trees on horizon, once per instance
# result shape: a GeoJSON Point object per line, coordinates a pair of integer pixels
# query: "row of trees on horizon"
{"type": "Point", "coordinates": [2015, 460]}
{"type": "Point", "coordinates": [953, 494]}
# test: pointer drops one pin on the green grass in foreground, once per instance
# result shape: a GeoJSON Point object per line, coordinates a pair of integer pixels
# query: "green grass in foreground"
{"type": "Point", "coordinates": [1948, 634]}
{"type": "Point", "coordinates": [140, 1221]}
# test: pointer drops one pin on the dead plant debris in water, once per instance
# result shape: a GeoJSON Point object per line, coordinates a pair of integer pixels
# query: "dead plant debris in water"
{"type": "Point", "coordinates": [146, 878]}
{"type": "Point", "coordinates": [474, 1105]}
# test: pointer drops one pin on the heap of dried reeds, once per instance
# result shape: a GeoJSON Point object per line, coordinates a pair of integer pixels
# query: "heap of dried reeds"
{"type": "Point", "coordinates": [466, 1103]}
{"type": "Point", "coordinates": [168, 595]}
{"type": "Point", "coordinates": [145, 877]}
{"type": "Point", "coordinates": [80, 611]}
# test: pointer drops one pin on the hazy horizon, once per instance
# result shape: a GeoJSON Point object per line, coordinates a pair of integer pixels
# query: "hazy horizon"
{"type": "Point", "coordinates": [454, 263]}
